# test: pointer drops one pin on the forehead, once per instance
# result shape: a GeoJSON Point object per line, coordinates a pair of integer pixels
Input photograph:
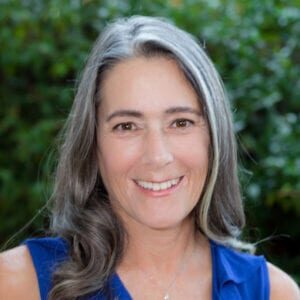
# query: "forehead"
{"type": "Point", "coordinates": [146, 84]}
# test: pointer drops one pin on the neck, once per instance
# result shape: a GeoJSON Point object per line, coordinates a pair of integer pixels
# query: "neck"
{"type": "Point", "coordinates": [160, 250]}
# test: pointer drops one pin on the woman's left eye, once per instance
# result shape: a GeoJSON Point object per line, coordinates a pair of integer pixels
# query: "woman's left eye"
{"type": "Point", "coordinates": [182, 123]}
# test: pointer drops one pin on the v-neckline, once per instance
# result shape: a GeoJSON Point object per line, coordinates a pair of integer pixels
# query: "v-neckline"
{"type": "Point", "coordinates": [118, 285]}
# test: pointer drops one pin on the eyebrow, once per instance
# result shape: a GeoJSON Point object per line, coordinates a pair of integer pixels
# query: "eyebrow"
{"type": "Point", "coordinates": [138, 114]}
{"type": "Point", "coordinates": [124, 113]}
{"type": "Point", "coordinates": [183, 109]}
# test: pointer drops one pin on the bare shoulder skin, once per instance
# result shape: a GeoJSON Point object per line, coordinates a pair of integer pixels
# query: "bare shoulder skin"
{"type": "Point", "coordinates": [17, 275]}
{"type": "Point", "coordinates": [282, 285]}
{"type": "Point", "coordinates": [18, 278]}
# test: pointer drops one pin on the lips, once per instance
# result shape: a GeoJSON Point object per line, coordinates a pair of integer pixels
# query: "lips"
{"type": "Point", "coordinates": [158, 186]}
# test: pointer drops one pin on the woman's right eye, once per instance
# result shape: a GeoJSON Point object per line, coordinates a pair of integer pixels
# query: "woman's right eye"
{"type": "Point", "coordinates": [126, 126]}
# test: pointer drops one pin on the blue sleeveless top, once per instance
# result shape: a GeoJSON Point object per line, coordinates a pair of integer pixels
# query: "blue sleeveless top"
{"type": "Point", "coordinates": [236, 276]}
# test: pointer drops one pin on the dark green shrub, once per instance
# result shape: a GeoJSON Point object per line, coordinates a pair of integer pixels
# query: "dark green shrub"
{"type": "Point", "coordinates": [255, 45]}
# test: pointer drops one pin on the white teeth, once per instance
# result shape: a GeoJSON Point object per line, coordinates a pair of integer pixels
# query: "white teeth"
{"type": "Point", "coordinates": [155, 186]}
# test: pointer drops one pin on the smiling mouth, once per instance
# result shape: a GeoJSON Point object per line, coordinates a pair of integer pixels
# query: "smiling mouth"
{"type": "Point", "coordinates": [158, 186]}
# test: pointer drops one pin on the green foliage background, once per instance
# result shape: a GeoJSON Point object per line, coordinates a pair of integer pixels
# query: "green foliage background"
{"type": "Point", "coordinates": [255, 45]}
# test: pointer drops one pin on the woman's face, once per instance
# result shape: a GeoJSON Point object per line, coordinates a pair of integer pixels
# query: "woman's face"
{"type": "Point", "coordinates": [152, 142]}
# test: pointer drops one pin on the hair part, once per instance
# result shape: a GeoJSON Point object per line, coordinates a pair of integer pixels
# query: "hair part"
{"type": "Point", "coordinates": [82, 213]}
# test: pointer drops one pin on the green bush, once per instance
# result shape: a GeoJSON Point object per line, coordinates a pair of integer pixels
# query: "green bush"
{"type": "Point", "coordinates": [255, 45]}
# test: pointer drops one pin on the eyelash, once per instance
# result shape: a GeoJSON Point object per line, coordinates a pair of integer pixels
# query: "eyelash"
{"type": "Point", "coordinates": [121, 126]}
{"type": "Point", "coordinates": [187, 123]}
{"type": "Point", "coordinates": [129, 126]}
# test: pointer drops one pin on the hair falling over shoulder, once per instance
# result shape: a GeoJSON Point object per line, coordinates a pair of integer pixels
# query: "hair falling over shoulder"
{"type": "Point", "coordinates": [81, 212]}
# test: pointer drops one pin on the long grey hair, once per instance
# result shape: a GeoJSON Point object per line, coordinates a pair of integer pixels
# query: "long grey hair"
{"type": "Point", "coordinates": [82, 214]}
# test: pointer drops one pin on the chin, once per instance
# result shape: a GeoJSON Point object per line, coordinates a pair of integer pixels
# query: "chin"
{"type": "Point", "coordinates": [164, 224]}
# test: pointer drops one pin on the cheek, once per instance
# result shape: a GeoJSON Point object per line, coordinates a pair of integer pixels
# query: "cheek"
{"type": "Point", "coordinates": [194, 153]}
{"type": "Point", "coordinates": [116, 159]}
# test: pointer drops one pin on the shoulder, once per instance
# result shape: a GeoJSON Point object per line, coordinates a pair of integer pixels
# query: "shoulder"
{"type": "Point", "coordinates": [231, 264]}
{"type": "Point", "coordinates": [261, 279]}
{"type": "Point", "coordinates": [281, 285]}
{"type": "Point", "coordinates": [17, 275]}
{"type": "Point", "coordinates": [26, 271]}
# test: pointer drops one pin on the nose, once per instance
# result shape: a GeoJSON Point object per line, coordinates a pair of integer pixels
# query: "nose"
{"type": "Point", "coordinates": [157, 149]}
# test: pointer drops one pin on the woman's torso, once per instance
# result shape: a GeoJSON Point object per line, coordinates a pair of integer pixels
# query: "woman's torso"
{"type": "Point", "coordinates": [235, 275]}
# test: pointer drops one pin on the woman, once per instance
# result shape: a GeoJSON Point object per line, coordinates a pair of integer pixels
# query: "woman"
{"type": "Point", "coordinates": [146, 203]}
